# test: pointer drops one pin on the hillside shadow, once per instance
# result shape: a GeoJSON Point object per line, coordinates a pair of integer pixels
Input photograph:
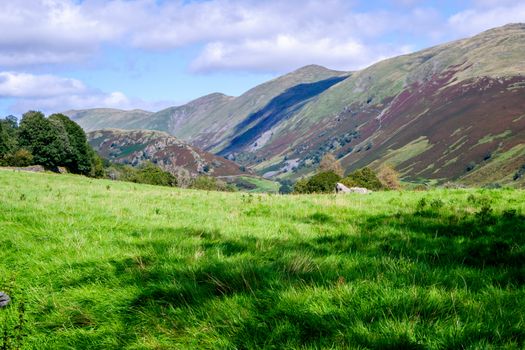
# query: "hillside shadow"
{"type": "Point", "coordinates": [279, 108]}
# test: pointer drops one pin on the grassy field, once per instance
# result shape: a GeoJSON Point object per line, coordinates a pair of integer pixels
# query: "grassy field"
{"type": "Point", "coordinates": [95, 264]}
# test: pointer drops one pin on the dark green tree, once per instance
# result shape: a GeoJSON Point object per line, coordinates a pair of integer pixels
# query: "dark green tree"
{"type": "Point", "coordinates": [79, 160]}
{"type": "Point", "coordinates": [301, 186]}
{"type": "Point", "coordinates": [148, 173]}
{"type": "Point", "coordinates": [97, 164]}
{"type": "Point", "coordinates": [47, 140]}
{"type": "Point", "coordinates": [286, 187]}
{"type": "Point", "coordinates": [3, 142]}
{"type": "Point", "coordinates": [364, 177]}
{"type": "Point", "coordinates": [8, 136]}
{"type": "Point", "coordinates": [323, 182]}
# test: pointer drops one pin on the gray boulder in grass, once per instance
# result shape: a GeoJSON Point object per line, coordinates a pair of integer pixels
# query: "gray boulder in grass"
{"type": "Point", "coordinates": [4, 299]}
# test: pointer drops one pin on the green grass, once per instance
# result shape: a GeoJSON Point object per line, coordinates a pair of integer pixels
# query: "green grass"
{"type": "Point", "coordinates": [261, 185]}
{"type": "Point", "coordinates": [113, 265]}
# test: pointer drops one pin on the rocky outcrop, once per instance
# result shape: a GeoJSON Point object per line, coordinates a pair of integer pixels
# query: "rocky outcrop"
{"type": "Point", "coordinates": [4, 299]}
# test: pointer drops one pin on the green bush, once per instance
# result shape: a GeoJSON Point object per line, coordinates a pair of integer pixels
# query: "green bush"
{"type": "Point", "coordinates": [286, 187]}
{"type": "Point", "coordinates": [150, 174]}
{"type": "Point", "coordinates": [97, 164]}
{"type": "Point", "coordinates": [364, 177]}
{"type": "Point", "coordinates": [301, 186]}
{"type": "Point", "coordinates": [319, 183]}
{"type": "Point", "coordinates": [21, 158]}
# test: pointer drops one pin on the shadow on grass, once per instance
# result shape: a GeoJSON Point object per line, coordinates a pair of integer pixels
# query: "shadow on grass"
{"type": "Point", "coordinates": [482, 250]}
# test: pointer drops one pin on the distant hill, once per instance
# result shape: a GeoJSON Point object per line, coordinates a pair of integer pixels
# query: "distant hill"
{"type": "Point", "coordinates": [451, 112]}
{"type": "Point", "coordinates": [171, 154]}
{"type": "Point", "coordinates": [103, 118]}
{"type": "Point", "coordinates": [211, 119]}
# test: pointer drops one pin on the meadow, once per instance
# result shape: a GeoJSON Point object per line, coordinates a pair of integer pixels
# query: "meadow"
{"type": "Point", "coordinates": [97, 264]}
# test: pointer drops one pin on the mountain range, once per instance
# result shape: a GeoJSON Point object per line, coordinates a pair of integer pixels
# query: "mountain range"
{"type": "Point", "coordinates": [451, 112]}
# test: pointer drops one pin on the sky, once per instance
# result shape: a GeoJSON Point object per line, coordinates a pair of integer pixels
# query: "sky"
{"type": "Point", "coordinates": [57, 55]}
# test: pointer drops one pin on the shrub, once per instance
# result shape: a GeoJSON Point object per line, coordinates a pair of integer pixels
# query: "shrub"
{"type": "Point", "coordinates": [22, 157]}
{"type": "Point", "coordinates": [364, 177]}
{"type": "Point", "coordinates": [301, 186]}
{"type": "Point", "coordinates": [286, 187]}
{"type": "Point", "coordinates": [389, 177]}
{"type": "Point", "coordinates": [148, 173]}
{"type": "Point", "coordinates": [209, 183]}
{"type": "Point", "coordinates": [97, 164]}
{"type": "Point", "coordinates": [323, 182]}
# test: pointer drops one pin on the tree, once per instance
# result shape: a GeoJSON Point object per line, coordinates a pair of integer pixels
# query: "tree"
{"type": "Point", "coordinates": [286, 187]}
{"type": "Point", "coordinates": [319, 183]}
{"type": "Point", "coordinates": [46, 140]}
{"type": "Point", "coordinates": [301, 186]}
{"type": "Point", "coordinates": [330, 163]}
{"type": "Point", "coordinates": [79, 159]}
{"type": "Point", "coordinates": [323, 182]}
{"type": "Point", "coordinates": [389, 177]}
{"type": "Point", "coordinates": [364, 177]}
{"type": "Point", "coordinates": [20, 157]}
{"type": "Point", "coordinates": [8, 136]}
{"type": "Point", "coordinates": [3, 142]}
{"type": "Point", "coordinates": [96, 163]}
{"type": "Point", "coordinates": [148, 173]}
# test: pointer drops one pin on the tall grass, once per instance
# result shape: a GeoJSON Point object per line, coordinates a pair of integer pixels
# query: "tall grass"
{"type": "Point", "coordinates": [110, 265]}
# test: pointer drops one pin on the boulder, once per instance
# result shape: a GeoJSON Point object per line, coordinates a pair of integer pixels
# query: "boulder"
{"type": "Point", "coordinates": [4, 299]}
{"type": "Point", "coordinates": [360, 190]}
{"type": "Point", "coordinates": [340, 188]}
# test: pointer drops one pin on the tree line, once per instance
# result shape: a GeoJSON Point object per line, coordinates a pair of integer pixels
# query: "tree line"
{"type": "Point", "coordinates": [53, 142]}
{"type": "Point", "coordinates": [57, 141]}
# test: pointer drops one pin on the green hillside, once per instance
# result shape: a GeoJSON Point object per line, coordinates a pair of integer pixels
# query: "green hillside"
{"type": "Point", "coordinates": [103, 118]}
{"type": "Point", "coordinates": [96, 264]}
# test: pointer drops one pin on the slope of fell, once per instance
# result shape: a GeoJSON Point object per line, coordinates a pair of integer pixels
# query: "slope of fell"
{"type": "Point", "coordinates": [171, 154]}
{"type": "Point", "coordinates": [101, 118]}
{"type": "Point", "coordinates": [465, 98]}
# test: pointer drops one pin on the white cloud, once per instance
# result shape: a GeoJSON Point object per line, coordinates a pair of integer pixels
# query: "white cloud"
{"type": "Point", "coordinates": [49, 31]}
{"type": "Point", "coordinates": [51, 93]}
{"type": "Point", "coordinates": [25, 85]}
{"type": "Point", "coordinates": [235, 34]}
{"type": "Point", "coordinates": [488, 15]}
{"type": "Point", "coordinates": [331, 32]}
{"type": "Point", "coordinates": [287, 52]}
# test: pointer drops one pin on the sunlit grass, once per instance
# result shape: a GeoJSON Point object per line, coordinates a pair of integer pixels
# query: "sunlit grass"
{"type": "Point", "coordinates": [101, 265]}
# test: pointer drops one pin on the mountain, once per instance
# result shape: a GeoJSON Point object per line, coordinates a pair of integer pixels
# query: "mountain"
{"type": "Point", "coordinates": [171, 154]}
{"type": "Point", "coordinates": [102, 118]}
{"type": "Point", "coordinates": [454, 111]}
{"type": "Point", "coordinates": [209, 120]}
{"type": "Point", "coordinates": [451, 112]}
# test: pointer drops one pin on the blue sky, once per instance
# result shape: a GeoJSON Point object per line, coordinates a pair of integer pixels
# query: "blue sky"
{"type": "Point", "coordinates": [57, 55]}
